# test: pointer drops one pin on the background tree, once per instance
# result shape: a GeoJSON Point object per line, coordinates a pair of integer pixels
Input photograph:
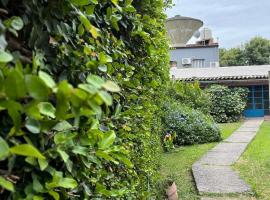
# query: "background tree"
{"type": "Point", "coordinates": [255, 52]}
{"type": "Point", "coordinates": [232, 57]}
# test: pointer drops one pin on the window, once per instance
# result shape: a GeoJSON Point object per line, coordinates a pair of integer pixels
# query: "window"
{"type": "Point", "coordinates": [197, 63]}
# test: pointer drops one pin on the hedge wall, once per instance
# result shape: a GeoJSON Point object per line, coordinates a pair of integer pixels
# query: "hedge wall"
{"type": "Point", "coordinates": [67, 130]}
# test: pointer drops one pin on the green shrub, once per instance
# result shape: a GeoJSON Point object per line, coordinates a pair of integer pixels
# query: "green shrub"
{"type": "Point", "coordinates": [189, 94]}
{"type": "Point", "coordinates": [191, 126]}
{"type": "Point", "coordinates": [228, 104]}
{"type": "Point", "coordinates": [121, 41]}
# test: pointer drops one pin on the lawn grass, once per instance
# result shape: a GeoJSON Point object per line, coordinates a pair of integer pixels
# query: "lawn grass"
{"type": "Point", "coordinates": [178, 163]}
{"type": "Point", "coordinates": [254, 164]}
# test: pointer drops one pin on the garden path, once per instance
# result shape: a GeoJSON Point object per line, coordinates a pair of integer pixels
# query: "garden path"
{"type": "Point", "coordinates": [213, 172]}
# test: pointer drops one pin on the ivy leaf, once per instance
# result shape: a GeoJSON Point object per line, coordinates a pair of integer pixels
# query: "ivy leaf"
{"type": "Point", "coordinates": [104, 58]}
{"type": "Point", "coordinates": [36, 87]}
{"type": "Point", "coordinates": [88, 26]}
{"type": "Point", "coordinates": [107, 140]}
{"type": "Point", "coordinates": [4, 149]}
{"type": "Point", "coordinates": [26, 150]}
{"type": "Point", "coordinates": [68, 183]}
{"type": "Point", "coordinates": [5, 57]}
{"type": "Point", "coordinates": [47, 79]}
{"type": "Point", "coordinates": [43, 164]}
{"type": "Point", "coordinates": [62, 126]}
{"type": "Point", "coordinates": [63, 155]}
{"type": "Point", "coordinates": [106, 97]}
{"type": "Point", "coordinates": [16, 23]}
{"type": "Point", "coordinates": [6, 184]}
{"type": "Point", "coordinates": [14, 85]}
{"type": "Point", "coordinates": [32, 125]}
{"type": "Point", "coordinates": [95, 81]}
{"type": "Point", "coordinates": [111, 86]}
{"type": "Point", "coordinates": [47, 109]}
{"type": "Point", "coordinates": [54, 194]}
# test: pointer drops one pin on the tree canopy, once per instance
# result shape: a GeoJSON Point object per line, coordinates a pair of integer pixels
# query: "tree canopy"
{"type": "Point", "coordinates": [254, 52]}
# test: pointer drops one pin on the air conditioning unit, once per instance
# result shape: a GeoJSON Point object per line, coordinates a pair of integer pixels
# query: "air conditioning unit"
{"type": "Point", "coordinates": [186, 61]}
{"type": "Point", "coordinates": [214, 64]}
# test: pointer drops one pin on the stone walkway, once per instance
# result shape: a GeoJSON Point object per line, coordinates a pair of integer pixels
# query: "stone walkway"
{"type": "Point", "coordinates": [213, 173]}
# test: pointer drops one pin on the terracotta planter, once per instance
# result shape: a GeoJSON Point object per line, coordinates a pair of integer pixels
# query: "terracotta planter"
{"type": "Point", "coordinates": [171, 192]}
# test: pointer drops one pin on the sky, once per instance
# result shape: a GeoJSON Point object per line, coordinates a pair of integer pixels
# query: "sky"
{"type": "Point", "coordinates": [233, 22]}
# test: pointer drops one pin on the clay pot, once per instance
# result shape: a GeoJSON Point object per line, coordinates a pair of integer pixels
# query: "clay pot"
{"type": "Point", "coordinates": [171, 192]}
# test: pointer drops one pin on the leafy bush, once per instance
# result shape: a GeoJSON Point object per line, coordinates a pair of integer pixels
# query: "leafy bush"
{"type": "Point", "coordinates": [113, 138]}
{"type": "Point", "coordinates": [191, 126]}
{"type": "Point", "coordinates": [228, 104]}
{"type": "Point", "coordinates": [189, 94]}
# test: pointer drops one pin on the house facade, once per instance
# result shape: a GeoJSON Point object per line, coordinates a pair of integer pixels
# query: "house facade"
{"type": "Point", "coordinates": [195, 56]}
{"type": "Point", "coordinates": [255, 78]}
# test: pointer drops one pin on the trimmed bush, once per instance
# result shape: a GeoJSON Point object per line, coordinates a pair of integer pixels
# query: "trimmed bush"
{"type": "Point", "coordinates": [228, 104]}
{"type": "Point", "coordinates": [191, 126]}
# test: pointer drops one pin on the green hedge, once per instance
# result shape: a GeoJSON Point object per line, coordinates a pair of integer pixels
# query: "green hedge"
{"type": "Point", "coordinates": [59, 62]}
{"type": "Point", "coordinates": [228, 104]}
{"type": "Point", "coordinates": [190, 125]}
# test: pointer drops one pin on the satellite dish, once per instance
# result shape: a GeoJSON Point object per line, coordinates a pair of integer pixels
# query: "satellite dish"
{"type": "Point", "coordinates": [197, 34]}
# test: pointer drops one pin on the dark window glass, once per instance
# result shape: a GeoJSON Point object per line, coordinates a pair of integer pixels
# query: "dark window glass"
{"type": "Point", "coordinates": [266, 112]}
{"type": "Point", "coordinates": [258, 100]}
{"type": "Point", "coordinates": [258, 88]}
{"type": "Point", "coordinates": [249, 106]}
{"type": "Point", "coordinates": [258, 94]}
{"type": "Point", "coordinates": [258, 106]}
{"type": "Point", "coordinates": [266, 95]}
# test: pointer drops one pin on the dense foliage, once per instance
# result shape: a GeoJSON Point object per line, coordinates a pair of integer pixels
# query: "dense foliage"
{"type": "Point", "coordinates": [190, 125]}
{"type": "Point", "coordinates": [228, 104]}
{"type": "Point", "coordinates": [255, 52]}
{"type": "Point", "coordinates": [67, 131]}
{"type": "Point", "coordinates": [186, 114]}
{"type": "Point", "coordinates": [188, 94]}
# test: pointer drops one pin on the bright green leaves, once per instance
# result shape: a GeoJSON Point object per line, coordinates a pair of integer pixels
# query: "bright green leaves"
{"type": "Point", "coordinates": [4, 149]}
{"type": "Point", "coordinates": [26, 150]}
{"type": "Point", "coordinates": [47, 109]}
{"type": "Point", "coordinates": [107, 140]}
{"type": "Point", "coordinates": [14, 24]}
{"type": "Point", "coordinates": [104, 58]}
{"type": "Point", "coordinates": [6, 184]}
{"type": "Point", "coordinates": [105, 97]}
{"type": "Point", "coordinates": [60, 181]}
{"type": "Point", "coordinates": [47, 79]}
{"type": "Point", "coordinates": [14, 84]}
{"type": "Point", "coordinates": [95, 32]}
{"type": "Point", "coordinates": [111, 86]}
{"type": "Point", "coordinates": [5, 56]}
{"type": "Point", "coordinates": [32, 125]}
{"type": "Point", "coordinates": [94, 80]}
{"type": "Point", "coordinates": [36, 87]}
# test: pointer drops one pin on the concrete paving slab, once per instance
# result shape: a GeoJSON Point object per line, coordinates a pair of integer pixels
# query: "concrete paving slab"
{"type": "Point", "coordinates": [229, 147]}
{"type": "Point", "coordinates": [220, 158]}
{"type": "Point", "coordinates": [239, 137]}
{"type": "Point", "coordinates": [218, 179]}
{"type": "Point", "coordinates": [213, 174]}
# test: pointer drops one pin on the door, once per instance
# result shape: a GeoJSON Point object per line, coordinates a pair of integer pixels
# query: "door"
{"type": "Point", "coordinates": [258, 101]}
